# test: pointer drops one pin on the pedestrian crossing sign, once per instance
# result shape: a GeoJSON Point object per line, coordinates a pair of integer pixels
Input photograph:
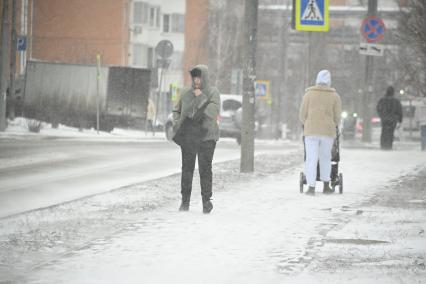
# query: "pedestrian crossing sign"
{"type": "Point", "coordinates": [312, 15]}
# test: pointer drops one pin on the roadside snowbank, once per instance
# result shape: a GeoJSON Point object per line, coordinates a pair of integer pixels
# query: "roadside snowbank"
{"type": "Point", "coordinates": [19, 127]}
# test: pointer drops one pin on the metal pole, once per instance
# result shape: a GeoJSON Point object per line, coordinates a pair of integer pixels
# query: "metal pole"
{"type": "Point", "coordinates": [410, 102]}
{"type": "Point", "coordinates": [249, 77]}
{"type": "Point", "coordinates": [283, 69]}
{"type": "Point", "coordinates": [158, 95]}
{"type": "Point", "coordinates": [12, 64]}
{"type": "Point", "coordinates": [308, 60]}
{"type": "Point", "coordinates": [366, 98]}
{"type": "Point", "coordinates": [3, 63]}
{"type": "Point", "coordinates": [98, 77]}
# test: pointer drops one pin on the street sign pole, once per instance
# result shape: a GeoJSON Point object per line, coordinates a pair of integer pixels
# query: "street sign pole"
{"type": "Point", "coordinates": [12, 86]}
{"type": "Point", "coordinates": [368, 92]}
{"type": "Point", "coordinates": [160, 84]}
{"type": "Point", "coordinates": [163, 49]}
{"type": "Point", "coordinates": [98, 77]}
{"type": "Point", "coordinates": [3, 63]}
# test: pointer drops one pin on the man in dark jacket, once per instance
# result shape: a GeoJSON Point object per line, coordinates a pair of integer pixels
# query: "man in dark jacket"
{"type": "Point", "coordinates": [390, 112]}
{"type": "Point", "coordinates": [195, 130]}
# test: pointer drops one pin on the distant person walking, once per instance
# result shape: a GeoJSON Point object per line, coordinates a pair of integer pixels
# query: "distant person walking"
{"type": "Point", "coordinates": [421, 118]}
{"type": "Point", "coordinates": [319, 113]}
{"type": "Point", "coordinates": [389, 110]}
{"type": "Point", "coordinates": [150, 116]}
{"type": "Point", "coordinates": [196, 130]}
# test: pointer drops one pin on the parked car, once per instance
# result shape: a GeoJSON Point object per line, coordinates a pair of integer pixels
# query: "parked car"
{"type": "Point", "coordinates": [230, 103]}
{"type": "Point", "coordinates": [410, 121]}
{"type": "Point", "coordinates": [376, 128]}
{"type": "Point", "coordinates": [349, 125]}
{"type": "Point", "coordinates": [228, 126]}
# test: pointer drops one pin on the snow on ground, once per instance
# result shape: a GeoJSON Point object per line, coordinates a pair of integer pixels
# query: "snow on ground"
{"type": "Point", "coordinates": [19, 128]}
{"type": "Point", "coordinates": [261, 230]}
{"type": "Point", "coordinates": [384, 243]}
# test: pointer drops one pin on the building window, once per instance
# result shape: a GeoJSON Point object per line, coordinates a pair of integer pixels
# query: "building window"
{"type": "Point", "coordinates": [137, 13]}
{"type": "Point", "coordinates": [140, 13]}
{"type": "Point", "coordinates": [151, 16]}
{"type": "Point", "coordinates": [178, 23]}
{"type": "Point", "coordinates": [158, 19]}
{"type": "Point", "coordinates": [154, 16]}
{"type": "Point", "coordinates": [166, 23]}
{"type": "Point", "coordinates": [139, 55]}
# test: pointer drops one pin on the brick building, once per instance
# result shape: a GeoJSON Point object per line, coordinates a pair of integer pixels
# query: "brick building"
{"type": "Point", "coordinates": [75, 31]}
{"type": "Point", "coordinates": [122, 32]}
{"type": "Point", "coordinates": [196, 34]}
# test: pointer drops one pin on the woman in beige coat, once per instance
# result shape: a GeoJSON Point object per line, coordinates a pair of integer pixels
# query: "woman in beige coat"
{"type": "Point", "coordinates": [320, 115]}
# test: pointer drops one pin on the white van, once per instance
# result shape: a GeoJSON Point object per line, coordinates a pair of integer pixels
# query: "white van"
{"type": "Point", "coordinates": [409, 118]}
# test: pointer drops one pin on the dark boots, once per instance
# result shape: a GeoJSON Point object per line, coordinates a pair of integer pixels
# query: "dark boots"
{"type": "Point", "coordinates": [326, 189]}
{"type": "Point", "coordinates": [311, 190]}
{"type": "Point", "coordinates": [184, 206]}
{"type": "Point", "coordinates": [207, 206]}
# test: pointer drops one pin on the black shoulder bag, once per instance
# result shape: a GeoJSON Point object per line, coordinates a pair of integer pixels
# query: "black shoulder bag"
{"type": "Point", "coordinates": [191, 131]}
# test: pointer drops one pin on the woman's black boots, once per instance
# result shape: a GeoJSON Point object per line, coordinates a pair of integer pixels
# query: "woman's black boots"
{"type": "Point", "coordinates": [326, 189]}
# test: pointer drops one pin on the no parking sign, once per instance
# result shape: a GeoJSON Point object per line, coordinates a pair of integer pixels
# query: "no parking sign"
{"type": "Point", "coordinates": [373, 29]}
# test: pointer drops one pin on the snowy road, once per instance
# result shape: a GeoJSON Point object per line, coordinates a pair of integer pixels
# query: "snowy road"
{"type": "Point", "coordinates": [47, 172]}
{"type": "Point", "coordinates": [262, 230]}
{"type": "Point", "coordinates": [40, 173]}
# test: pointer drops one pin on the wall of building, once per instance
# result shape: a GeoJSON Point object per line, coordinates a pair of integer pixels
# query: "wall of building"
{"type": "Point", "coordinates": [149, 25]}
{"type": "Point", "coordinates": [196, 35]}
{"type": "Point", "coordinates": [75, 31]}
{"type": "Point", "coordinates": [152, 21]}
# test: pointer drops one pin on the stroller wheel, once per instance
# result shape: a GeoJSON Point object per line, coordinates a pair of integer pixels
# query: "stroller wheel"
{"type": "Point", "coordinates": [301, 181]}
{"type": "Point", "coordinates": [340, 183]}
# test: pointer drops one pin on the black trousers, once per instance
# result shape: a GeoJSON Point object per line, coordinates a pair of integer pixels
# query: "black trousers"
{"type": "Point", "coordinates": [386, 138]}
{"type": "Point", "coordinates": [204, 151]}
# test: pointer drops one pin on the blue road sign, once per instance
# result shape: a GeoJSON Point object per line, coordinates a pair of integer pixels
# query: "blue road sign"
{"type": "Point", "coordinates": [312, 15]}
{"type": "Point", "coordinates": [21, 43]}
{"type": "Point", "coordinates": [261, 89]}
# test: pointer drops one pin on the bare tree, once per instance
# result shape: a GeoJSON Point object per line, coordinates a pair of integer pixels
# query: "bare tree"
{"type": "Point", "coordinates": [225, 39]}
{"type": "Point", "coordinates": [412, 34]}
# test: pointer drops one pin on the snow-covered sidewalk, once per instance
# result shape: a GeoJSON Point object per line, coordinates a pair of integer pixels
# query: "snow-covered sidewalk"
{"type": "Point", "coordinates": [384, 243]}
{"type": "Point", "coordinates": [261, 230]}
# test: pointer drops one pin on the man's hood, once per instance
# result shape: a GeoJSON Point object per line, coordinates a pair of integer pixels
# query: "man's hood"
{"type": "Point", "coordinates": [390, 91]}
{"type": "Point", "coordinates": [204, 75]}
